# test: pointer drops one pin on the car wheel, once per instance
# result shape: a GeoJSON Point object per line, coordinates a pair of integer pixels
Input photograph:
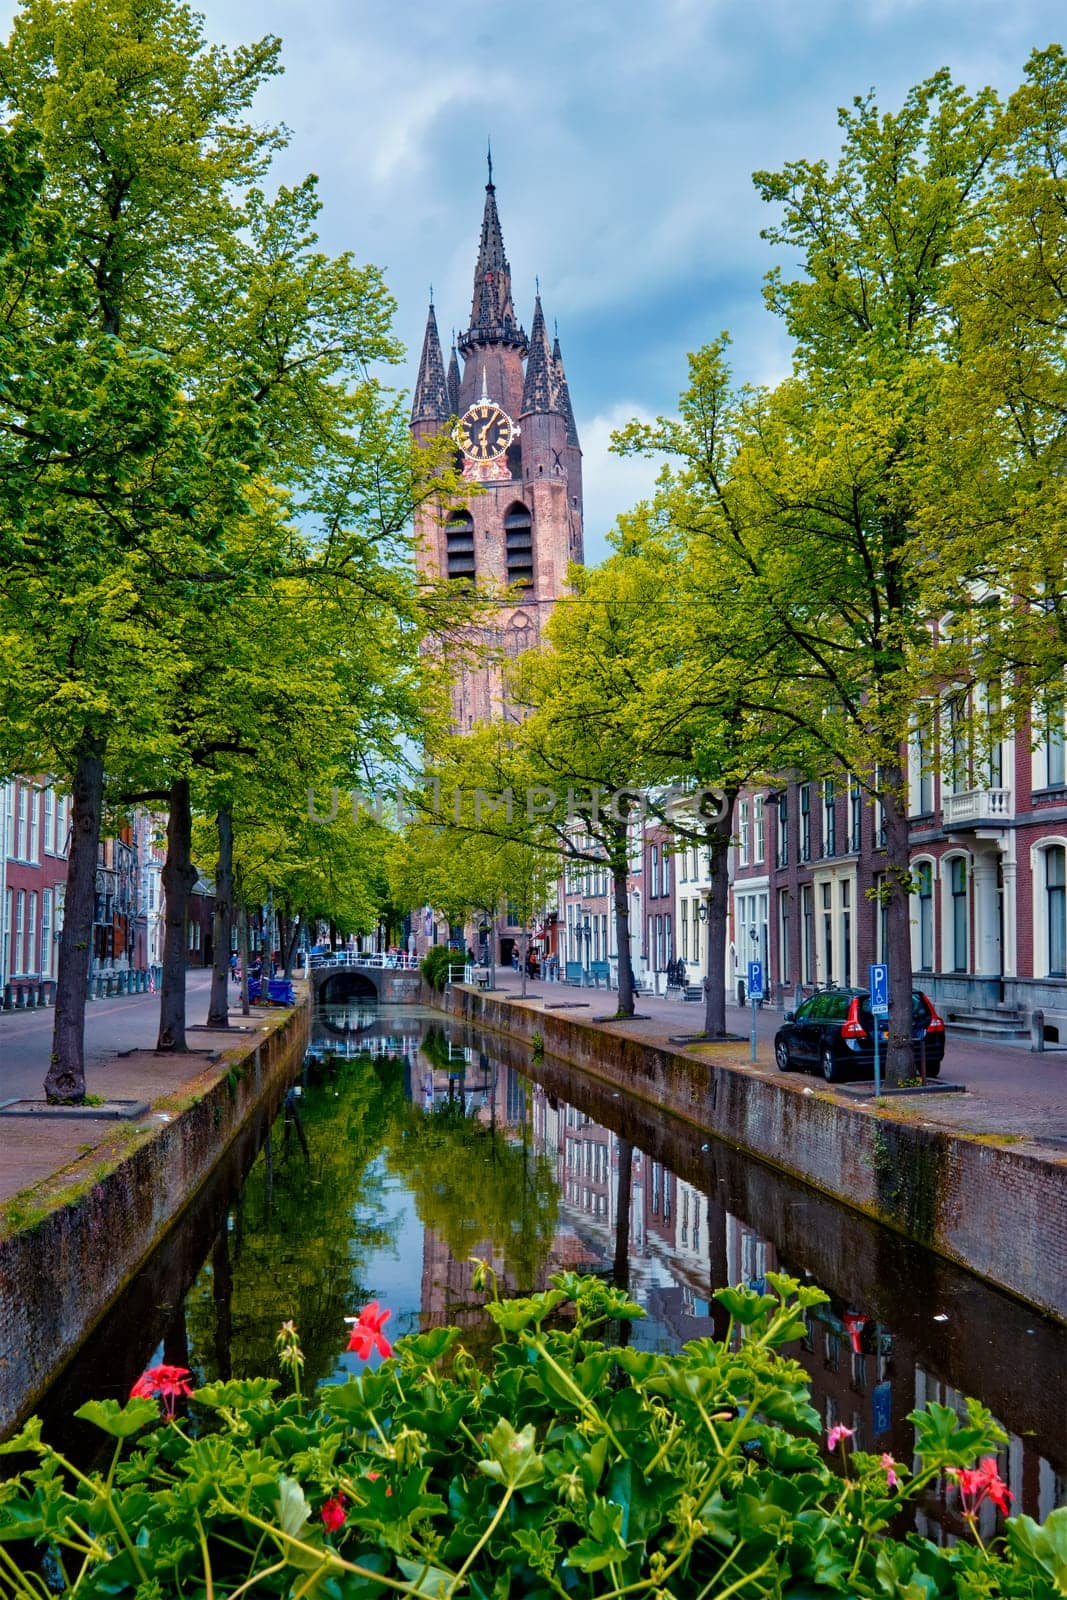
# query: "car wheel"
{"type": "Point", "coordinates": [832, 1070]}
{"type": "Point", "coordinates": [782, 1056]}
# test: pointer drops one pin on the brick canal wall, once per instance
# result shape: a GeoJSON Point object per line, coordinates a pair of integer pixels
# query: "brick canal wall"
{"type": "Point", "coordinates": [999, 1211]}
{"type": "Point", "coordinates": [59, 1276]}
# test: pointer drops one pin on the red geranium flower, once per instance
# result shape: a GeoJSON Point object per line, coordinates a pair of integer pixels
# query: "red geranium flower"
{"type": "Point", "coordinates": [333, 1513]}
{"type": "Point", "coordinates": [163, 1383]}
{"type": "Point", "coordinates": [980, 1483]}
{"type": "Point", "coordinates": [367, 1334]}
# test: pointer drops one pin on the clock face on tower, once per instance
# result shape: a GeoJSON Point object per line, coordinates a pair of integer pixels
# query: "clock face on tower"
{"type": "Point", "coordinates": [484, 431]}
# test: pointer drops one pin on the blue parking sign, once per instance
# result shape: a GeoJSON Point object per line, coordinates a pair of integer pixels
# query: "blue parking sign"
{"type": "Point", "coordinates": [882, 1407]}
{"type": "Point", "coordinates": [755, 980]}
{"type": "Point", "coordinates": [879, 980]}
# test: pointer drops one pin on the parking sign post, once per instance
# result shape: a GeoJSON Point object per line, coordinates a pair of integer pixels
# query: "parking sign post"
{"type": "Point", "coordinates": [879, 991]}
{"type": "Point", "coordinates": [755, 994]}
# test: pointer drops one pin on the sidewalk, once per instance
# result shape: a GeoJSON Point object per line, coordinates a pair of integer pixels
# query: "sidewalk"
{"type": "Point", "coordinates": [1010, 1090]}
{"type": "Point", "coordinates": [120, 1063]}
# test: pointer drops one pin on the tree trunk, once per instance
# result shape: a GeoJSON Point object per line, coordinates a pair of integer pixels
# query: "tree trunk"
{"type": "Point", "coordinates": [178, 876]}
{"type": "Point", "coordinates": [717, 835]}
{"type": "Point", "coordinates": [244, 954]}
{"type": "Point", "coordinates": [524, 945]}
{"type": "Point", "coordinates": [290, 945]}
{"type": "Point", "coordinates": [620, 873]}
{"type": "Point", "coordinates": [65, 1082]}
{"type": "Point", "coordinates": [899, 1058]}
{"type": "Point", "coordinates": [219, 1010]}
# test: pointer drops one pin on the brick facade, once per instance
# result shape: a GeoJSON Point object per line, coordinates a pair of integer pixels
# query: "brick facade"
{"type": "Point", "coordinates": [988, 849]}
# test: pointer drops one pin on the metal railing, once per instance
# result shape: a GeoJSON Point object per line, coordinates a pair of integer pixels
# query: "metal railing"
{"type": "Point", "coordinates": [366, 958]}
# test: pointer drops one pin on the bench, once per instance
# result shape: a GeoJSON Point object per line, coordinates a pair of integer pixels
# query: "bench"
{"type": "Point", "coordinates": [598, 970]}
{"type": "Point", "coordinates": [572, 972]}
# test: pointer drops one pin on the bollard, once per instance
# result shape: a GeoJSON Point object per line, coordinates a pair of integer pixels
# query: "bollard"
{"type": "Point", "coordinates": [9, 997]}
{"type": "Point", "coordinates": [740, 991]}
{"type": "Point", "coordinates": [1037, 1030]}
{"type": "Point", "coordinates": [20, 998]}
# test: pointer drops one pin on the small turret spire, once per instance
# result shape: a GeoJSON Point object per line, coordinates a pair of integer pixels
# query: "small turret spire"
{"type": "Point", "coordinates": [538, 392]}
{"type": "Point", "coordinates": [431, 403]}
{"type": "Point", "coordinates": [561, 391]}
{"type": "Point", "coordinates": [453, 379]}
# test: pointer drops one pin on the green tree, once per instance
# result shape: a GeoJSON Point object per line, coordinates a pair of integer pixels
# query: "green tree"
{"type": "Point", "coordinates": [815, 488]}
{"type": "Point", "coordinates": [140, 134]}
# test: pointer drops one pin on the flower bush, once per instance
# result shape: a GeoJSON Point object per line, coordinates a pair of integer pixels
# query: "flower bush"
{"type": "Point", "coordinates": [572, 1468]}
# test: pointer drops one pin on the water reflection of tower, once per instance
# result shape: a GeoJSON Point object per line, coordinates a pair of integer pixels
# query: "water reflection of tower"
{"type": "Point", "coordinates": [447, 1292]}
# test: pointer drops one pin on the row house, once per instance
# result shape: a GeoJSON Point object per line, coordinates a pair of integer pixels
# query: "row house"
{"type": "Point", "coordinates": [34, 841]}
{"type": "Point", "coordinates": [988, 856]}
{"type": "Point", "coordinates": [128, 920]}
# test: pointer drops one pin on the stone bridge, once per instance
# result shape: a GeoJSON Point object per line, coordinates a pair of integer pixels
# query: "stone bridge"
{"type": "Point", "coordinates": [334, 982]}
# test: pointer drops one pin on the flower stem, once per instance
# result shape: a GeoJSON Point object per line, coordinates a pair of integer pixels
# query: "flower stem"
{"type": "Point", "coordinates": [487, 1534]}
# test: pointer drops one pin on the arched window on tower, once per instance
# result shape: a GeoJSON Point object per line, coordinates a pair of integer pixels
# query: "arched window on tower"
{"type": "Point", "coordinates": [459, 545]}
{"type": "Point", "coordinates": [518, 545]}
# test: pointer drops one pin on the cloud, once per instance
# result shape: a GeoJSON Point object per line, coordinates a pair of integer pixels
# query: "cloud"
{"type": "Point", "coordinates": [611, 483]}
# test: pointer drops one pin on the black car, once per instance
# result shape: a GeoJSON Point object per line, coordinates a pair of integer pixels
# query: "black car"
{"type": "Point", "coordinates": [833, 1033]}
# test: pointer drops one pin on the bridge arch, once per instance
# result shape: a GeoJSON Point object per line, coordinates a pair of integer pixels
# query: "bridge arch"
{"type": "Point", "coordinates": [344, 983]}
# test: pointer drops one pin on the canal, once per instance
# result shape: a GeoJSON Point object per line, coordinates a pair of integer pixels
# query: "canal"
{"type": "Point", "coordinates": [410, 1144]}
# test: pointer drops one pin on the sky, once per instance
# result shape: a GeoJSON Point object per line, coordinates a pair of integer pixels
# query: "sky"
{"type": "Point", "coordinates": [624, 136]}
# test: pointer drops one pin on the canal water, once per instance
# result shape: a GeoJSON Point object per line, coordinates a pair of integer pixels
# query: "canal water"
{"type": "Point", "coordinates": [410, 1144]}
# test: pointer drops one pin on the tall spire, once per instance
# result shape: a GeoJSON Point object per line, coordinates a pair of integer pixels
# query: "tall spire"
{"type": "Point", "coordinates": [493, 319]}
{"type": "Point", "coordinates": [562, 393]}
{"type": "Point", "coordinates": [538, 391]}
{"type": "Point", "coordinates": [431, 402]}
{"type": "Point", "coordinates": [453, 379]}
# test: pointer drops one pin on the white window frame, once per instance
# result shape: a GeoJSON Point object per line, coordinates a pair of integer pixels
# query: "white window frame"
{"type": "Point", "coordinates": [1039, 909]}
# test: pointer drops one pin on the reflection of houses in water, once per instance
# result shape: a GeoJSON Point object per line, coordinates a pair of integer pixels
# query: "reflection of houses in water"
{"type": "Point", "coordinates": [679, 1243]}
{"type": "Point", "coordinates": [683, 1244]}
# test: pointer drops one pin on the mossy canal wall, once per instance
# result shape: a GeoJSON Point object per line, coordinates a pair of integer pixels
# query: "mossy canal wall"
{"type": "Point", "coordinates": [998, 1210]}
{"type": "Point", "coordinates": [60, 1274]}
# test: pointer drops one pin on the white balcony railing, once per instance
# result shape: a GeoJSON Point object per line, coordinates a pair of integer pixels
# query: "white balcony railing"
{"type": "Point", "coordinates": [977, 806]}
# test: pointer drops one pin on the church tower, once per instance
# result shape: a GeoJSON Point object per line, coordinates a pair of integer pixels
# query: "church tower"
{"type": "Point", "coordinates": [521, 525]}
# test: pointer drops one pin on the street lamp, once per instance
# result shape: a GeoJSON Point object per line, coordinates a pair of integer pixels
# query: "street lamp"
{"type": "Point", "coordinates": [704, 915]}
{"type": "Point", "coordinates": [581, 926]}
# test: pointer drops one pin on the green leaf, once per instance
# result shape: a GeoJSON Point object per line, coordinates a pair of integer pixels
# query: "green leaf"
{"type": "Point", "coordinates": [291, 1506]}
{"type": "Point", "coordinates": [515, 1315]}
{"type": "Point", "coordinates": [943, 1440]}
{"type": "Point", "coordinates": [604, 1544]}
{"type": "Point", "coordinates": [513, 1457]}
{"type": "Point", "coordinates": [236, 1393]}
{"type": "Point", "coordinates": [417, 1351]}
{"type": "Point", "coordinates": [745, 1305]}
{"type": "Point", "coordinates": [27, 1438]}
{"type": "Point", "coordinates": [432, 1582]}
{"type": "Point", "coordinates": [121, 1422]}
{"type": "Point", "coordinates": [1045, 1547]}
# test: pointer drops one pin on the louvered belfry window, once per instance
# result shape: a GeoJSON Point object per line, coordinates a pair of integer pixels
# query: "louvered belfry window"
{"type": "Point", "coordinates": [518, 545]}
{"type": "Point", "coordinates": [459, 545]}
